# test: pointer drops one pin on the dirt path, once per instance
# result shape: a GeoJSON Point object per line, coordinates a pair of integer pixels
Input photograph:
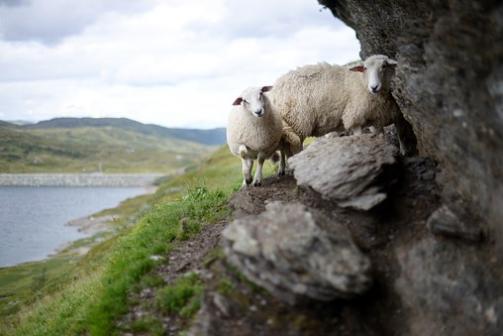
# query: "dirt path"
{"type": "Point", "coordinates": [186, 256]}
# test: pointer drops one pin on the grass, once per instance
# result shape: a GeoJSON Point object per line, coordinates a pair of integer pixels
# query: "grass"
{"type": "Point", "coordinates": [151, 236]}
{"type": "Point", "coordinates": [93, 149]}
{"type": "Point", "coordinates": [225, 286]}
{"type": "Point", "coordinates": [183, 297]}
{"type": "Point", "coordinates": [25, 283]}
{"type": "Point", "coordinates": [148, 325]}
{"type": "Point", "coordinates": [93, 293]}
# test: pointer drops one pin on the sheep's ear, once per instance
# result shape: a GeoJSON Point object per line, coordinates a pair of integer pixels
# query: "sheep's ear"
{"type": "Point", "coordinates": [266, 88]}
{"type": "Point", "coordinates": [390, 61]}
{"type": "Point", "coordinates": [238, 101]}
{"type": "Point", "coordinates": [358, 68]}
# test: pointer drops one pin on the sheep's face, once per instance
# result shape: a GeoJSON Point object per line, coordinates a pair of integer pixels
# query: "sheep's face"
{"type": "Point", "coordinates": [252, 100]}
{"type": "Point", "coordinates": [378, 70]}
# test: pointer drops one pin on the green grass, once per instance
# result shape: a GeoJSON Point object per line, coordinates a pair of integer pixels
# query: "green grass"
{"type": "Point", "coordinates": [93, 292]}
{"type": "Point", "coordinates": [148, 325]}
{"type": "Point", "coordinates": [225, 286]}
{"type": "Point", "coordinates": [90, 149]}
{"type": "Point", "coordinates": [25, 283]}
{"type": "Point", "coordinates": [182, 298]}
{"type": "Point", "coordinates": [152, 235]}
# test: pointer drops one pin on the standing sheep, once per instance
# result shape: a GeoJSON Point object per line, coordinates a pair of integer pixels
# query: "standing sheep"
{"type": "Point", "coordinates": [317, 99]}
{"type": "Point", "coordinates": [254, 132]}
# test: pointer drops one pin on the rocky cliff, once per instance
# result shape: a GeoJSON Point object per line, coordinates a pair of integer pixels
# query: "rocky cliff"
{"type": "Point", "coordinates": [449, 86]}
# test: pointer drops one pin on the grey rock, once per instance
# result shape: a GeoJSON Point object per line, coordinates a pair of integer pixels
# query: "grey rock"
{"type": "Point", "coordinates": [448, 291]}
{"type": "Point", "coordinates": [222, 305]}
{"type": "Point", "coordinates": [285, 251]}
{"type": "Point", "coordinates": [448, 85]}
{"type": "Point", "coordinates": [444, 222]}
{"type": "Point", "coordinates": [346, 169]}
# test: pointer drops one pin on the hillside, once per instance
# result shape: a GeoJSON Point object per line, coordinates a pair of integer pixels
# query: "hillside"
{"type": "Point", "coordinates": [74, 147]}
{"type": "Point", "coordinates": [207, 137]}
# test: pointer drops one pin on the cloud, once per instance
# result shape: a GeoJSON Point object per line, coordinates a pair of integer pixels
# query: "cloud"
{"type": "Point", "coordinates": [49, 21]}
{"type": "Point", "coordinates": [176, 63]}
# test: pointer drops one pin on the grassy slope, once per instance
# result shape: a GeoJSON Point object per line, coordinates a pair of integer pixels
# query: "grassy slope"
{"type": "Point", "coordinates": [93, 293]}
{"type": "Point", "coordinates": [86, 149]}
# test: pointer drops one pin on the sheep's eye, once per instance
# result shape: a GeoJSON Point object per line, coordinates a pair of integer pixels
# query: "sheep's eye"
{"type": "Point", "coordinates": [245, 101]}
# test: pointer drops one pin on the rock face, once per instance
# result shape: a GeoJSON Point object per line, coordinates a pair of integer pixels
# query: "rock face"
{"type": "Point", "coordinates": [284, 250]}
{"type": "Point", "coordinates": [451, 292]}
{"type": "Point", "coordinates": [448, 84]}
{"type": "Point", "coordinates": [347, 170]}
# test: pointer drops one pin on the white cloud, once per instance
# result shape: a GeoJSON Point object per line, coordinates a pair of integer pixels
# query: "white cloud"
{"type": "Point", "coordinates": [176, 63]}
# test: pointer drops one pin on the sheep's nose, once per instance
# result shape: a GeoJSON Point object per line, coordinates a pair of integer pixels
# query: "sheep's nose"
{"type": "Point", "coordinates": [374, 88]}
{"type": "Point", "coordinates": [259, 113]}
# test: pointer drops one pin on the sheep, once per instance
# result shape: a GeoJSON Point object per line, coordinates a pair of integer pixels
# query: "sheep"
{"type": "Point", "coordinates": [254, 132]}
{"type": "Point", "coordinates": [317, 99]}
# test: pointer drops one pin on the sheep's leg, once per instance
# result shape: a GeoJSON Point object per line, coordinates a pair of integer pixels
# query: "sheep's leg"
{"type": "Point", "coordinates": [282, 163]}
{"type": "Point", "coordinates": [243, 151]}
{"type": "Point", "coordinates": [257, 181]}
{"type": "Point", "coordinates": [376, 129]}
{"type": "Point", "coordinates": [357, 131]}
{"type": "Point", "coordinates": [247, 166]}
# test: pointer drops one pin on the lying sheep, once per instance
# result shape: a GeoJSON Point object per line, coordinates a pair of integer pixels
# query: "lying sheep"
{"type": "Point", "coordinates": [254, 132]}
{"type": "Point", "coordinates": [317, 99]}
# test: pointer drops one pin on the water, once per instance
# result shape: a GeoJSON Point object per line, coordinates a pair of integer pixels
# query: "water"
{"type": "Point", "coordinates": [32, 219]}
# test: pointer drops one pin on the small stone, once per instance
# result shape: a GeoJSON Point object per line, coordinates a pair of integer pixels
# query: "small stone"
{"type": "Point", "coordinates": [147, 293]}
{"type": "Point", "coordinates": [444, 222]}
{"type": "Point", "coordinates": [221, 303]}
{"type": "Point", "coordinates": [490, 314]}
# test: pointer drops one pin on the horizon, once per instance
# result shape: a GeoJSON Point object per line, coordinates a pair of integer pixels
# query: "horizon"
{"type": "Point", "coordinates": [178, 64]}
{"type": "Point", "coordinates": [26, 122]}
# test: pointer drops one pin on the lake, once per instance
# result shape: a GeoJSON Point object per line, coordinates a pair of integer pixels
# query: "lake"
{"type": "Point", "coordinates": [32, 219]}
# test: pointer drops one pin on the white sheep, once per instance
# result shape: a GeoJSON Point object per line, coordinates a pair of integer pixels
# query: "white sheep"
{"type": "Point", "coordinates": [254, 132]}
{"type": "Point", "coordinates": [317, 99]}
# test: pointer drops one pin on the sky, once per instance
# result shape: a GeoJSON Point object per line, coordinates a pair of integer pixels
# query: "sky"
{"type": "Point", "coordinates": [176, 63]}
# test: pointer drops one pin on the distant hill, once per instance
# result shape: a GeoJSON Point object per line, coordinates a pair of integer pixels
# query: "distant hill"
{"type": "Point", "coordinates": [20, 122]}
{"type": "Point", "coordinates": [101, 145]}
{"type": "Point", "coordinates": [214, 136]}
{"type": "Point", "coordinates": [7, 124]}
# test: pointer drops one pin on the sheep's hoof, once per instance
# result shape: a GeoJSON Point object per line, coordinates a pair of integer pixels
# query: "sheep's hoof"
{"type": "Point", "coordinates": [257, 183]}
{"type": "Point", "coordinates": [281, 173]}
{"type": "Point", "coordinates": [246, 183]}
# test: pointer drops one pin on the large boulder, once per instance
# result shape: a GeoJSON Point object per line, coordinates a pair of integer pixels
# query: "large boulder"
{"type": "Point", "coordinates": [285, 251]}
{"type": "Point", "coordinates": [348, 170]}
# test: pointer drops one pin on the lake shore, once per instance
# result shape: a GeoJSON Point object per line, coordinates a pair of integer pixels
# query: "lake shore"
{"type": "Point", "coordinates": [79, 180]}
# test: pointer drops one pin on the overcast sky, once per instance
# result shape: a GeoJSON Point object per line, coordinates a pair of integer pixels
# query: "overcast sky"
{"type": "Point", "coordinates": [177, 63]}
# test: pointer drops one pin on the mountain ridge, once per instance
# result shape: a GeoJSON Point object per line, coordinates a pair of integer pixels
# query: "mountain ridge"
{"type": "Point", "coordinates": [110, 146]}
{"type": "Point", "coordinates": [215, 136]}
